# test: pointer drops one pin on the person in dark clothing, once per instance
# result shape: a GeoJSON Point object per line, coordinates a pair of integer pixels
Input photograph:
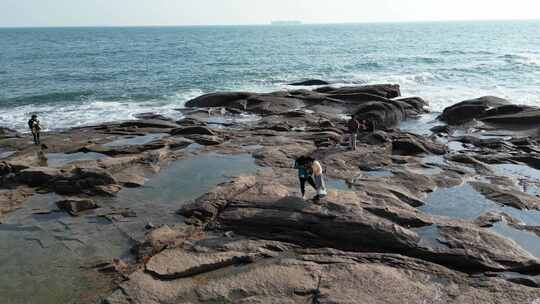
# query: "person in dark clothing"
{"type": "Point", "coordinates": [369, 126]}
{"type": "Point", "coordinates": [35, 128]}
{"type": "Point", "coordinates": [353, 126]}
{"type": "Point", "coordinates": [304, 174]}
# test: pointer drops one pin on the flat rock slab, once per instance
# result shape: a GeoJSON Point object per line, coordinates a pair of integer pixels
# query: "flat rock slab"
{"type": "Point", "coordinates": [178, 263]}
{"type": "Point", "coordinates": [320, 276]}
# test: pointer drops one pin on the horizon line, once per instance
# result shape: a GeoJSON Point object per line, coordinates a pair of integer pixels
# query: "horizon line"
{"type": "Point", "coordinates": [302, 23]}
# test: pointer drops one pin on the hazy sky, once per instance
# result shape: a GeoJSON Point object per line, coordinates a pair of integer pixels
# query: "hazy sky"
{"type": "Point", "coordinates": [196, 12]}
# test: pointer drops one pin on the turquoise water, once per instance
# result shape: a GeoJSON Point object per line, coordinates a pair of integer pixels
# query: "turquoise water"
{"type": "Point", "coordinates": [77, 76]}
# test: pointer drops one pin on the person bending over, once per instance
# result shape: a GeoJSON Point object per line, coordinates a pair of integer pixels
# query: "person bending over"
{"type": "Point", "coordinates": [318, 177]}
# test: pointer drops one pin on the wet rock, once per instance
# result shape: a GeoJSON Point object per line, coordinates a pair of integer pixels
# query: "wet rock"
{"type": "Point", "coordinates": [470, 109]}
{"type": "Point", "coordinates": [413, 105]}
{"type": "Point", "coordinates": [267, 104]}
{"type": "Point", "coordinates": [378, 137]}
{"type": "Point", "coordinates": [149, 123]}
{"type": "Point", "coordinates": [6, 133]}
{"type": "Point", "coordinates": [206, 140]}
{"type": "Point", "coordinates": [488, 219]}
{"type": "Point", "coordinates": [310, 82]}
{"type": "Point", "coordinates": [383, 90]}
{"type": "Point", "coordinates": [130, 180]}
{"type": "Point", "coordinates": [124, 150]}
{"type": "Point", "coordinates": [528, 116]}
{"type": "Point", "coordinates": [208, 206]}
{"type": "Point", "coordinates": [179, 143]}
{"type": "Point", "coordinates": [159, 239]}
{"type": "Point", "coordinates": [39, 176]}
{"type": "Point", "coordinates": [90, 181]}
{"type": "Point", "coordinates": [383, 114]}
{"type": "Point", "coordinates": [75, 206]}
{"type": "Point", "coordinates": [9, 168]}
{"type": "Point", "coordinates": [440, 129]}
{"type": "Point", "coordinates": [116, 266]}
{"type": "Point", "coordinates": [189, 121]}
{"type": "Point", "coordinates": [195, 130]}
{"type": "Point", "coordinates": [323, 139]}
{"type": "Point", "coordinates": [221, 99]}
{"type": "Point", "coordinates": [355, 98]}
{"type": "Point", "coordinates": [506, 196]}
{"type": "Point", "coordinates": [152, 116]}
{"type": "Point", "coordinates": [410, 144]}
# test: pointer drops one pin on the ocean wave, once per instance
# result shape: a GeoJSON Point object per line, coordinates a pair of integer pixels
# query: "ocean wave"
{"type": "Point", "coordinates": [522, 59]}
{"type": "Point", "coordinates": [419, 59]}
{"type": "Point", "coordinates": [47, 98]}
{"type": "Point", "coordinates": [368, 65]}
{"type": "Point", "coordinates": [60, 116]}
{"type": "Point", "coordinates": [412, 79]}
{"type": "Point", "coordinates": [461, 52]}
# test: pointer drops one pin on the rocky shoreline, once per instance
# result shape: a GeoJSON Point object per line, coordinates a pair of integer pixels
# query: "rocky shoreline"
{"type": "Point", "coordinates": [445, 217]}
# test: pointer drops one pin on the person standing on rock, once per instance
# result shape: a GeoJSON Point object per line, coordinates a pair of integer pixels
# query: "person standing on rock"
{"type": "Point", "coordinates": [317, 171]}
{"type": "Point", "coordinates": [304, 175]}
{"type": "Point", "coordinates": [369, 126]}
{"type": "Point", "coordinates": [353, 126]}
{"type": "Point", "coordinates": [35, 128]}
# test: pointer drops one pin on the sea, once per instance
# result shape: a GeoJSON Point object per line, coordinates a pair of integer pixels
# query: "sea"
{"type": "Point", "coordinates": [83, 76]}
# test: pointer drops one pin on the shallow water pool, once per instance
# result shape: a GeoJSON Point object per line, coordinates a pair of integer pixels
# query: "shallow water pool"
{"type": "Point", "coordinates": [62, 159]}
{"type": "Point", "coordinates": [42, 251]}
{"type": "Point", "coordinates": [137, 140]}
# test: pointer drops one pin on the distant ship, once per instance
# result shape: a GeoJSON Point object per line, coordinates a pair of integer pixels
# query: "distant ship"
{"type": "Point", "coordinates": [287, 22]}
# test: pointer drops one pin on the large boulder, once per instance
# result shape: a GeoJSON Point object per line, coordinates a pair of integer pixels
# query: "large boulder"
{"type": "Point", "coordinates": [272, 104]}
{"type": "Point", "coordinates": [382, 90]}
{"type": "Point", "coordinates": [412, 144]}
{"type": "Point", "coordinates": [265, 207]}
{"type": "Point", "coordinates": [358, 97]}
{"type": "Point", "coordinates": [515, 115]}
{"type": "Point", "coordinates": [471, 109]}
{"type": "Point", "coordinates": [310, 82]}
{"type": "Point", "coordinates": [220, 99]}
{"type": "Point", "coordinates": [383, 114]}
{"type": "Point", "coordinates": [413, 105]}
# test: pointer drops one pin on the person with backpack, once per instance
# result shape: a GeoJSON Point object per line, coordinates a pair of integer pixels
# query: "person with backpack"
{"type": "Point", "coordinates": [35, 128]}
{"type": "Point", "coordinates": [304, 174]}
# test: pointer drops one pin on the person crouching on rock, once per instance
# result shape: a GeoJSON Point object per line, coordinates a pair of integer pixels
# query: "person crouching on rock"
{"type": "Point", "coordinates": [35, 128]}
{"type": "Point", "coordinates": [304, 175]}
{"type": "Point", "coordinates": [318, 177]}
{"type": "Point", "coordinates": [353, 126]}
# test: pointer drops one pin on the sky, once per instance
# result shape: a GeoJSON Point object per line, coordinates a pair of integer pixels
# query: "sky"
{"type": "Point", "coordinates": [23, 13]}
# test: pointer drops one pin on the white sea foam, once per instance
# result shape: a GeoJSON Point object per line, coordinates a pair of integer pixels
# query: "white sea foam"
{"type": "Point", "coordinates": [55, 117]}
{"type": "Point", "coordinates": [430, 86]}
